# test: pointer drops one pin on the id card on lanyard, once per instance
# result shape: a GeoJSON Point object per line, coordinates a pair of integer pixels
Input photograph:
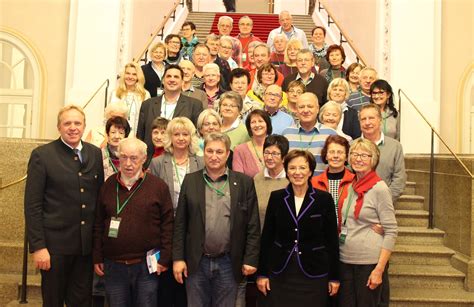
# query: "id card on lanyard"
{"type": "Point", "coordinates": [344, 229]}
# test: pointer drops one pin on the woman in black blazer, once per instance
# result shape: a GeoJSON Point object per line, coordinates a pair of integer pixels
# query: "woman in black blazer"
{"type": "Point", "coordinates": [299, 253]}
{"type": "Point", "coordinates": [153, 70]}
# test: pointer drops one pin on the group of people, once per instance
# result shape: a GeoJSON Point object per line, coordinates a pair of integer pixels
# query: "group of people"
{"type": "Point", "coordinates": [219, 164]}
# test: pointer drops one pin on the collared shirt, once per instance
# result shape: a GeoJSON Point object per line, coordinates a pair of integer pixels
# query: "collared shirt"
{"type": "Point", "coordinates": [137, 178]}
{"type": "Point", "coordinates": [167, 108]}
{"type": "Point", "coordinates": [217, 224]}
{"type": "Point", "coordinates": [281, 175]}
{"type": "Point", "coordinates": [78, 147]}
{"type": "Point", "coordinates": [312, 140]}
{"type": "Point", "coordinates": [380, 141]}
{"type": "Point", "coordinates": [294, 33]}
{"type": "Point", "coordinates": [311, 77]}
{"type": "Point", "coordinates": [234, 125]}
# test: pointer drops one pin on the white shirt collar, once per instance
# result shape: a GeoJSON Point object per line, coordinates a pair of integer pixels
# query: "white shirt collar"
{"type": "Point", "coordinates": [380, 141]}
{"type": "Point", "coordinates": [78, 147]}
{"type": "Point", "coordinates": [282, 174]}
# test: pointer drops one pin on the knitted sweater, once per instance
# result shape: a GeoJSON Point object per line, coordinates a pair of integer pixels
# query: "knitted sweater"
{"type": "Point", "coordinates": [264, 187]}
{"type": "Point", "coordinates": [391, 166]}
{"type": "Point", "coordinates": [362, 244]}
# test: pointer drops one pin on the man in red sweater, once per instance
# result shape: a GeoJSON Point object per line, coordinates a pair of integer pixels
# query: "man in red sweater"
{"type": "Point", "coordinates": [134, 215]}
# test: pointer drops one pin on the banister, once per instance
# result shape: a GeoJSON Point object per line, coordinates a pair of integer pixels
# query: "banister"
{"type": "Point", "coordinates": [343, 34]}
{"type": "Point", "coordinates": [13, 182]}
{"type": "Point", "coordinates": [400, 91]}
{"type": "Point", "coordinates": [158, 29]}
{"type": "Point", "coordinates": [106, 82]}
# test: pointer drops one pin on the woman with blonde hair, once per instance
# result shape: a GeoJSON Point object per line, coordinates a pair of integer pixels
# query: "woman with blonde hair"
{"type": "Point", "coordinates": [153, 71]}
{"type": "Point", "coordinates": [179, 159]}
{"type": "Point", "coordinates": [292, 48]}
{"type": "Point", "coordinates": [131, 90]}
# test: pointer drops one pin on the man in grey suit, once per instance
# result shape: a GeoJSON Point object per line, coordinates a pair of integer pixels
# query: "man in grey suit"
{"type": "Point", "coordinates": [64, 178]}
{"type": "Point", "coordinates": [216, 238]}
{"type": "Point", "coordinates": [169, 105]}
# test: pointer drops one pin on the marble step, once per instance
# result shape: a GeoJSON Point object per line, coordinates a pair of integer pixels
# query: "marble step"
{"type": "Point", "coordinates": [419, 236]}
{"type": "Point", "coordinates": [417, 218]}
{"type": "Point", "coordinates": [410, 202]}
{"type": "Point", "coordinates": [425, 297]}
{"type": "Point", "coordinates": [421, 254]}
{"type": "Point", "coordinates": [10, 288]}
{"type": "Point", "coordinates": [426, 276]}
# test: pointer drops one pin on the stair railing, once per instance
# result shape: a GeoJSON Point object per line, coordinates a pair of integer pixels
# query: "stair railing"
{"type": "Point", "coordinates": [142, 56]}
{"type": "Point", "coordinates": [344, 38]}
{"type": "Point", "coordinates": [24, 271]}
{"type": "Point", "coordinates": [106, 83]}
{"type": "Point", "coordinates": [433, 133]}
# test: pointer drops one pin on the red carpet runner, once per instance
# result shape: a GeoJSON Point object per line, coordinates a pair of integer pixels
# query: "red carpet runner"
{"type": "Point", "coordinates": [262, 24]}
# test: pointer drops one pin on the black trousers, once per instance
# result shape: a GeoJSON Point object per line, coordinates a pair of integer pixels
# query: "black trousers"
{"type": "Point", "coordinates": [170, 292]}
{"type": "Point", "coordinates": [69, 281]}
{"type": "Point", "coordinates": [353, 291]}
{"type": "Point", "coordinates": [229, 5]}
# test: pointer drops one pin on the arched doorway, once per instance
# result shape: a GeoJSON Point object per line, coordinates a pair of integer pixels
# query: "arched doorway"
{"type": "Point", "coordinates": [20, 87]}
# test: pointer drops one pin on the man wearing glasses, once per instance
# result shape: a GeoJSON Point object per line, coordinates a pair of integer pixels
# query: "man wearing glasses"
{"type": "Point", "coordinates": [314, 83]}
{"type": "Point", "coordinates": [272, 99]}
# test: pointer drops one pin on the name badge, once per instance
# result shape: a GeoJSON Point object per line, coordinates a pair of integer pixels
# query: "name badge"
{"type": "Point", "coordinates": [244, 57]}
{"type": "Point", "coordinates": [114, 227]}
{"type": "Point", "coordinates": [343, 235]}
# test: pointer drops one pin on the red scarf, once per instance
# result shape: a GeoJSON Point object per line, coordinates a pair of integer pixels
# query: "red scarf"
{"type": "Point", "coordinates": [158, 151]}
{"type": "Point", "coordinates": [361, 187]}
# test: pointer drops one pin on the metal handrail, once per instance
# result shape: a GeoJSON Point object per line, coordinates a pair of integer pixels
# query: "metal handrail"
{"type": "Point", "coordinates": [343, 36]}
{"type": "Point", "coordinates": [171, 14]}
{"type": "Point", "coordinates": [95, 93]}
{"type": "Point", "coordinates": [13, 182]}
{"type": "Point", "coordinates": [400, 91]}
{"type": "Point", "coordinates": [432, 160]}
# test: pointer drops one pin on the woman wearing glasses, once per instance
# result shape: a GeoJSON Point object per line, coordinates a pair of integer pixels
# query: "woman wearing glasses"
{"type": "Point", "coordinates": [381, 94]}
{"type": "Point", "coordinates": [299, 251]}
{"type": "Point", "coordinates": [230, 106]}
{"type": "Point", "coordinates": [364, 253]}
{"type": "Point", "coordinates": [248, 157]}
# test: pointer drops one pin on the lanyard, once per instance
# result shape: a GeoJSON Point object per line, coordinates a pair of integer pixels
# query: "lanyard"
{"type": "Point", "coordinates": [180, 182]}
{"type": "Point", "coordinates": [349, 204]}
{"type": "Point", "coordinates": [384, 121]}
{"type": "Point", "coordinates": [219, 191]}
{"type": "Point", "coordinates": [107, 153]}
{"type": "Point", "coordinates": [310, 141]}
{"type": "Point", "coordinates": [121, 207]}
{"type": "Point", "coordinates": [256, 153]}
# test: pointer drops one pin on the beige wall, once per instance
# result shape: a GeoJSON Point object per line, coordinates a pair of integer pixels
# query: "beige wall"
{"type": "Point", "coordinates": [457, 54]}
{"type": "Point", "coordinates": [358, 19]}
{"type": "Point", "coordinates": [147, 16]}
{"type": "Point", "coordinates": [45, 24]}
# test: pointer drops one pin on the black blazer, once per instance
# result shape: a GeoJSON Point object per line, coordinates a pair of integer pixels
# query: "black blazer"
{"type": "Point", "coordinates": [351, 125]}
{"type": "Point", "coordinates": [151, 109]}
{"type": "Point", "coordinates": [311, 236]}
{"type": "Point", "coordinates": [189, 225]}
{"type": "Point", "coordinates": [152, 80]}
{"type": "Point", "coordinates": [60, 198]}
{"type": "Point", "coordinates": [318, 86]}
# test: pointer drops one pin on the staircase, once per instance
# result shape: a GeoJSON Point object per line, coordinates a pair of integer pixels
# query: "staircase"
{"type": "Point", "coordinates": [12, 223]}
{"type": "Point", "coordinates": [263, 23]}
{"type": "Point", "coordinates": [420, 267]}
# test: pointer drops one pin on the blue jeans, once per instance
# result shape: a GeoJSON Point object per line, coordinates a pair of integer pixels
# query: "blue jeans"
{"type": "Point", "coordinates": [213, 284]}
{"type": "Point", "coordinates": [130, 285]}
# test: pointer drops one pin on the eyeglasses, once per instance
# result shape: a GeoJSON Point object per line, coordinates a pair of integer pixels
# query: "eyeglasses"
{"type": "Point", "coordinates": [245, 24]}
{"type": "Point", "coordinates": [300, 60]}
{"type": "Point", "coordinates": [230, 106]}
{"type": "Point", "coordinates": [363, 157]}
{"type": "Point", "coordinates": [336, 152]}
{"type": "Point", "coordinates": [208, 124]}
{"type": "Point", "coordinates": [273, 94]}
{"type": "Point", "coordinates": [226, 47]}
{"type": "Point", "coordinates": [274, 154]}
{"type": "Point", "coordinates": [133, 159]}
{"type": "Point", "coordinates": [174, 42]}
{"type": "Point", "coordinates": [297, 92]}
